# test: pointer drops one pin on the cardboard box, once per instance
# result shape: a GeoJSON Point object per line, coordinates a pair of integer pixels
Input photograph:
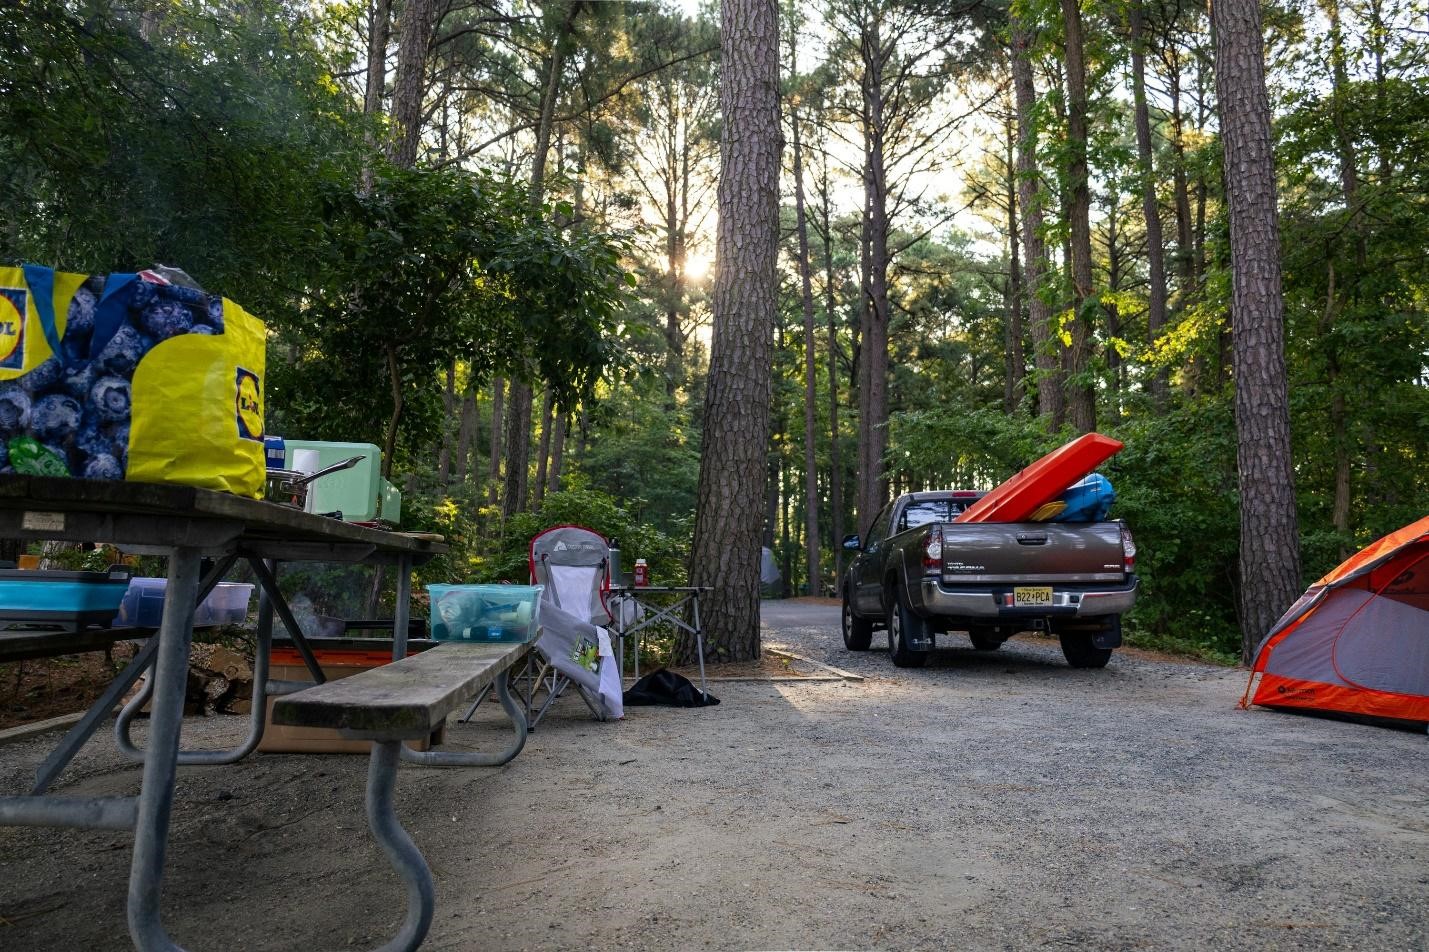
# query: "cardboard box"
{"type": "Point", "coordinates": [281, 739]}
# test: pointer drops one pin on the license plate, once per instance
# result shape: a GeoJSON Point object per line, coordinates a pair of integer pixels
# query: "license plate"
{"type": "Point", "coordinates": [1032, 596]}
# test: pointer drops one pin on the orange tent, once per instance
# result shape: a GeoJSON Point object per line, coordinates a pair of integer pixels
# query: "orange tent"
{"type": "Point", "coordinates": [1357, 641]}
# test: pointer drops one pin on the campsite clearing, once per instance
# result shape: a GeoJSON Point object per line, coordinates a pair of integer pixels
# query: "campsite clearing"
{"type": "Point", "coordinates": [988, 801]}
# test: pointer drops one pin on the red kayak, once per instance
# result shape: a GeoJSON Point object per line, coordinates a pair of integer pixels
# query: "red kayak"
{"type": "Point", "coordinates": [1043, 481]}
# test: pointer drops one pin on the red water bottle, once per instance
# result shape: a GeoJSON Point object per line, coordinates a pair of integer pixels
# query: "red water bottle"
{"type": "Point", "coordinates": [642, 573]}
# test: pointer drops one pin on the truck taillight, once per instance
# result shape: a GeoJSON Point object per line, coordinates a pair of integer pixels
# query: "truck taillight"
{"type": "Point", "coordinates": [1128, 549]}
{"type": "Point", "coordinates": [933, 552]}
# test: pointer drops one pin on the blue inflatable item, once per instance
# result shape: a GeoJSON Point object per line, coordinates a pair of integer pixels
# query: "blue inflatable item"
{"type": "Point", "coordinates": [1088, 500]}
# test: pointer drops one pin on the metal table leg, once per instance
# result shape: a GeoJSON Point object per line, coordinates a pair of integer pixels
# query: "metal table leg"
{"type": "Point", "coordinates": [400, 850]}
{"type": "Point", "coordinates": [699, 642]}
{"type": "Point", "coordinates": [146, 692]}
{"type": "Point", "coordinates": [59, 759]}
{"type": "Point", "coordinates": [267, 572]}
{"type": "Point", "coordinates": [445, 758]}
{"type": "Point", "coordinates": [258, 714]}
{"type": "Point", "coordinates": [401, 617]}
{"type": "Point", "coordinates": [151, 831]}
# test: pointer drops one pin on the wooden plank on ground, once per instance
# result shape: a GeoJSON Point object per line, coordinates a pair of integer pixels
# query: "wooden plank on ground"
{"type": "Point", "coordinates": [404, 699]}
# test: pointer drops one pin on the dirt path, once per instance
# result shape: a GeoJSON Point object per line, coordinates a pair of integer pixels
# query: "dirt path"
{"type": "Point", "coordinates": [986, 802]}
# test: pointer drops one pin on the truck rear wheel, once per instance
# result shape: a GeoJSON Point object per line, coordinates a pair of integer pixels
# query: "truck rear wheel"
{"type": "Point", "coordinates": [1079, 651]}
{"type": "Point", "coordinates": [901, 623]}
{"type": "Point", "coordinates": [858, 632]}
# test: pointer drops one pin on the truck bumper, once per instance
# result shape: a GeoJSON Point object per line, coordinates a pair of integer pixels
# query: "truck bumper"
{"type": "Point", "coordinates": [991, 603]}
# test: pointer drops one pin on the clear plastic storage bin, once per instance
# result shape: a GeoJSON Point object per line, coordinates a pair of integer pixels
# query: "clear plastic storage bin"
{"type": "Point", "coordinates": [492, 613]}
{"type": "Point", "coordinates": [143, 604]}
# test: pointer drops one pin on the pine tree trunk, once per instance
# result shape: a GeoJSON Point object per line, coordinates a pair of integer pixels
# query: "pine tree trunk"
{"type": "Point", "coordinates": [518, 450]}
{"type": "Point", "coordinates": [725, 552]}
{"type": "Point", "coordinates": [493, 472]}
{"type": "Point", "coordinates": [1115, 366]}
{"type": "Point", "coordinates": [465, 439]}
{"type": "Point", "coordinates": [1012, 328]}
{"type": "Point", "coordinates": [518, 416]}
{"type": "Point", "coordinates": [875, 344]}
{"type": "Point", "coordinates": [836, 474]}
{"type": "Point", "coordinates": [558, 452]}
{"type": "Point", "coordinates": [1034, 248]}
{"type": "Point", "coordinates": [1198, 227]}
{"type": "Point", "coordinates": [863, 470]}
{"type": "Point", "coordinates": [379, 30]}
{"type": "Point", "coordinates": [1185, 253]}
{"type": "Point", "coordinates": [1150, 208]}
{"type": "Point", "coordinates": [543, 452]}
{"type": "Point", "coordinates": [1081, 395]}
{"type": "Point", "coordinates": [1269, 536]}
{"type": "Point", "coordinates": [806, 287]}
{"type": "Point", "coordinates": [409, 86]}
{"type": "Point", "coordinates": [786, 572]}
{"type": "Point", "coordinates": [674, 260]}
{"type": "Point", "coordinates": [1349, 187]}
{"type": "Point", "coordinates": [583, 433]}
{"type": "Point", "coordinates": [379, 27]}
{"type": "Point", "coordinates": [449, 408]}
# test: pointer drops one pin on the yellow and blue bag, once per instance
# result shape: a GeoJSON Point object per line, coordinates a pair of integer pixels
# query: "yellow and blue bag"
{"type": "Point", "coordinates": [129, 377]}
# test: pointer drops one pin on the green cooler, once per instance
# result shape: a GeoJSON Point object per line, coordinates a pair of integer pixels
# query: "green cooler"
{"type": "Point", "coordinates": [354, 492]}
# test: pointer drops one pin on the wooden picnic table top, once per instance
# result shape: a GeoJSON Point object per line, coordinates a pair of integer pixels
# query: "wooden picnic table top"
{"type": "Point", "coordinates": [260, 521]}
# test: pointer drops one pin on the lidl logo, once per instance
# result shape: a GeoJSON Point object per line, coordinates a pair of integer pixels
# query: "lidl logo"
{"type": "Point", "coordinates": [250, 406]}
{"type": "Point", "coordinates": [12, 328]}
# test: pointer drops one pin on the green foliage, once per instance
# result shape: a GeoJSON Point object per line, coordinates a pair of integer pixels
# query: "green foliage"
{"type": "Point", "coordinates": [581, 506]}
{"type": "Point", "coordinates": [648, 456]}
{"type": "Point", "coordinates": [206, 149]}
{"type": "Point", "coordinates": [426, 267]}
{"type": "Point", "coordinates": [1176, 489]}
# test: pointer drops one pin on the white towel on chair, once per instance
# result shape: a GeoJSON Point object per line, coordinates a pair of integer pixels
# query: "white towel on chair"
{"type": "Point", "coordinates": [575, 588]}
{"type": "Point", "coordinates": [610, 687]}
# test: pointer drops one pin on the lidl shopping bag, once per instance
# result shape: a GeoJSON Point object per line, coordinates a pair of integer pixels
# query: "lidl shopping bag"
{"type": "Point", "coordinates": [129, 377]}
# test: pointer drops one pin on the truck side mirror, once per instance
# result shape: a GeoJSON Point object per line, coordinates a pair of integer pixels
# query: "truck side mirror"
{"type": "Point", "coordinates": [853, 542]}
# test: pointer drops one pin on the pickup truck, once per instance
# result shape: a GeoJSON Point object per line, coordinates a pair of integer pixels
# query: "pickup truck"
{"type": "Point", "coordinates": [918, 574]}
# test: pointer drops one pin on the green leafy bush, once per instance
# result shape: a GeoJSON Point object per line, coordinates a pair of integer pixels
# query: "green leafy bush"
{"type": "Point", "coordinates": [583, 506]}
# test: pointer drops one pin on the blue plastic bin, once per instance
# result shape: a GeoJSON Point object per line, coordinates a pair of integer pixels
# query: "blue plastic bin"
{"type": "Point", "coordinates": [73, 600]}
{"type": "Point", "coordinates": [492, 613]}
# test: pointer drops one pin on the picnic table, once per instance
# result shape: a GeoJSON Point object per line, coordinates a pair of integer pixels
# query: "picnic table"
{"type": "Point", "coordinates": [405, 699]}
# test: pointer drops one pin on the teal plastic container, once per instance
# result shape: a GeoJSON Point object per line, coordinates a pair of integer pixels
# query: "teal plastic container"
{"type": "Point", "coordinates": [353, 492]}
{"type": "Point", "coordinates": [485, 613]}
{"type": "Point", "coordinates": [72, 600]}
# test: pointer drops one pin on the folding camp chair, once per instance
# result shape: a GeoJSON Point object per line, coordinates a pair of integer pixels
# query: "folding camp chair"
{"type": "Point", "coordinates": [573, 563]}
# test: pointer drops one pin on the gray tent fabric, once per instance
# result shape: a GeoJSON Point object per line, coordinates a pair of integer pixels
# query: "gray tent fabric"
{"type": "Point", "coordinates": [1375, 655]}
{"type": "Point", "coordinates": [769, 574]}
{"type": "Point", "coordinates": [1357, 642]}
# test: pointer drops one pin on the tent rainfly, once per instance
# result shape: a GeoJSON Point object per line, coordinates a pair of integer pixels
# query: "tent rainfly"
{"type": "Point", "coordinates": [1357, 641]}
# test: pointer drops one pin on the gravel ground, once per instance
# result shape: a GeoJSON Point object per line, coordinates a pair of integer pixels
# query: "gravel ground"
{"type": "Point", "coordinates": [988, 801]}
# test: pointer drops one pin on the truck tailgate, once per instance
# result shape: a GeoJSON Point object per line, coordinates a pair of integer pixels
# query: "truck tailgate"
{"type": "Point", "coordinates": [1032, 552]}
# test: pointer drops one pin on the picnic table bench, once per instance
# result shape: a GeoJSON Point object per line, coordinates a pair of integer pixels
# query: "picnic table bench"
{"type": "Point", "coordinates": [190, 526]}
{"type": "Point", "coordinates": [406, 700]}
